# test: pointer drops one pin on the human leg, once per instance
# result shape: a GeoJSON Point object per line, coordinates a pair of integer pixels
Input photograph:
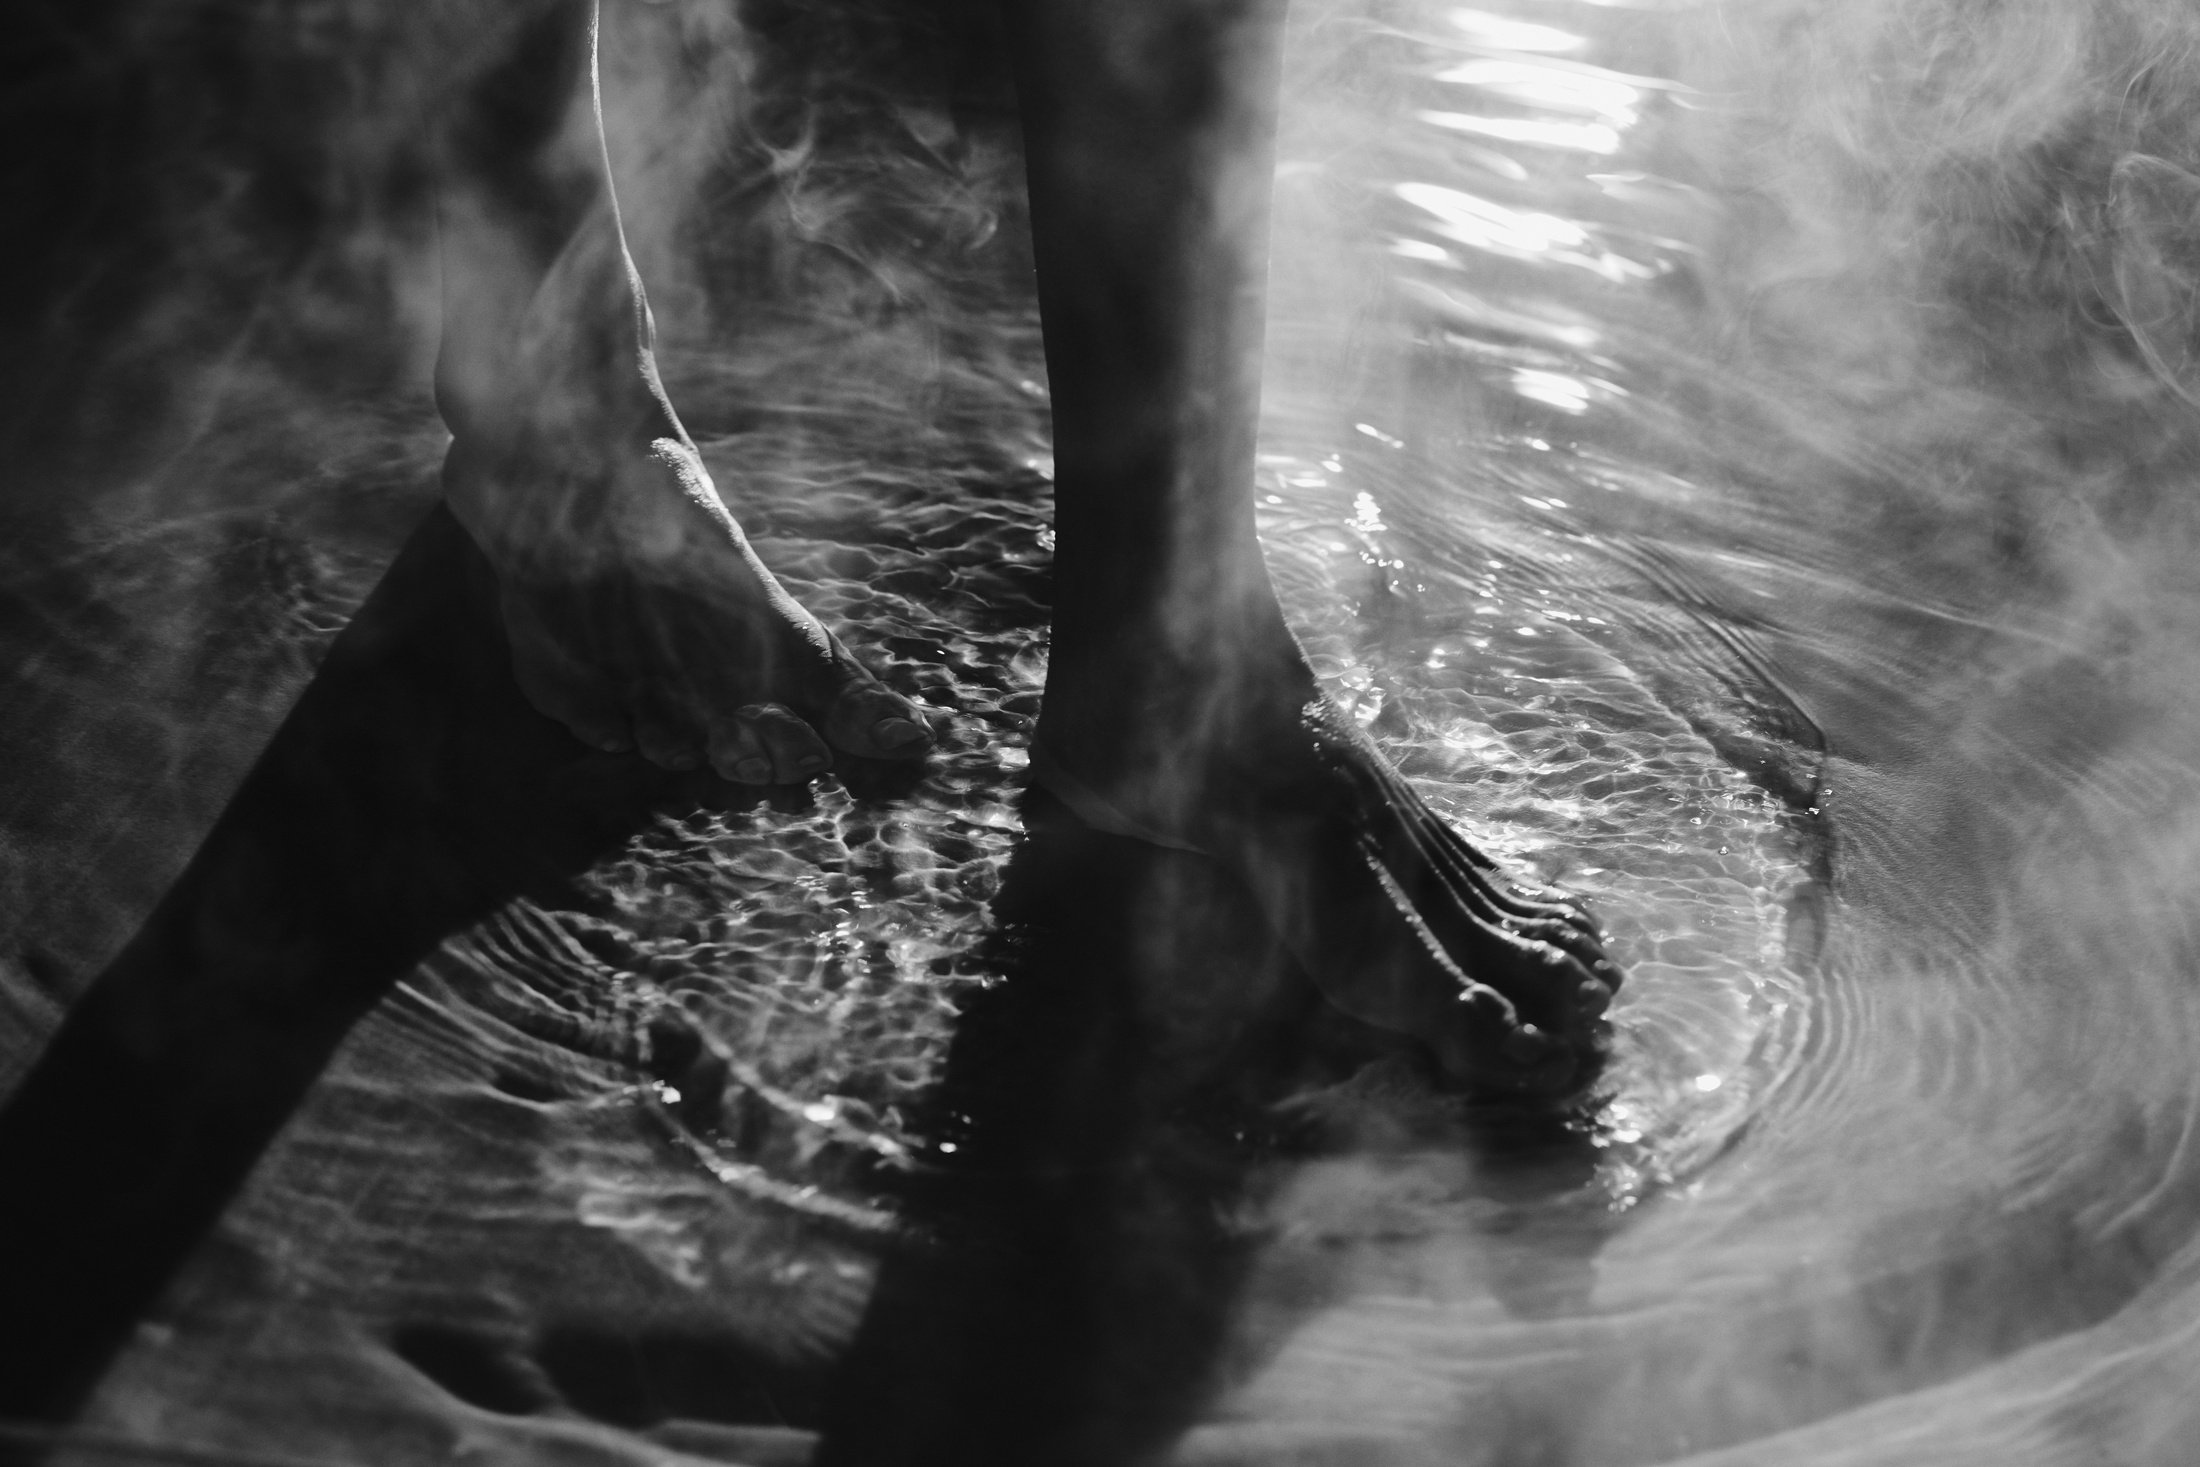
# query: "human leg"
{"type": "Point", "coordinates": [1178, 705]}
{"type": "Point", "coordinates": [637, 612]}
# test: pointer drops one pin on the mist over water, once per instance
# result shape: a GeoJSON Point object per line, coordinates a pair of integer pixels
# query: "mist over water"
{"type": "Point", "coordinates": [1774, 359]}
{"type": "Point", "coordinates": [1739, 462]}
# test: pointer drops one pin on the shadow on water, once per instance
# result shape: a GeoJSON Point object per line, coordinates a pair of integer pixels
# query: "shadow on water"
{"type": "Point", "coordinates": [1119, 1113]}
{"type": "Point", "coordinates": [1122, 1102]}
{"type": "Point", "coordinates": [410, 792]}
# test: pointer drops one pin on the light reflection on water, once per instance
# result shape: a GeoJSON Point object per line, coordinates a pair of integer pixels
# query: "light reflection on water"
{"type": "Point", "coordinates": [1637, 575]}
{"type": "Point", "coordinates": [1873, 1099]}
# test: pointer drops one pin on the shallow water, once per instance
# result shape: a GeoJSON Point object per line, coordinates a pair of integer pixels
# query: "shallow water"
{"type": "Point", "coordinates": [1684, 524]}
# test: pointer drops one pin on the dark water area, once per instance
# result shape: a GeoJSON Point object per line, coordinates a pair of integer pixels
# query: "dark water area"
{"type": "Point", "coordinates": [1737, 460]}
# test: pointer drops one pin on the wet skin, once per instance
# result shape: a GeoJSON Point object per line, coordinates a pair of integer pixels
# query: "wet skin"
{"type": "Point", "coordinates": [1178, 707]}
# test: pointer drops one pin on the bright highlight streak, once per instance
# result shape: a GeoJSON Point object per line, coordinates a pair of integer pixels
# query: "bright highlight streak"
{"type": "Point", "coordinates": [1502, 33]}
{"type": "Point", "coordinates": [1486, 225]}
{"type": "Point", "coordinates": [1567, 394]}
{"type": "Point", "coordinates": [1585, 93]}
{"type": "Point", "coordinates": [1521, 233]}
{"type": "Point", "coordinates": [1379, 435]}
{"type": "Point", "coordinates": [1579, 137]}
{"type": "Point", "coordinates": [1421, 249]}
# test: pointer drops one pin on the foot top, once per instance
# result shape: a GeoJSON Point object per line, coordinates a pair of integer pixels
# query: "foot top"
{"type": "Point", "coordinates": [1402, 923]}
{"type": "Point", "coordinates": [666, 635]}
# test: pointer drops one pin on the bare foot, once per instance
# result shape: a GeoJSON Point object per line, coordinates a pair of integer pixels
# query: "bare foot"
{"type": "Point", "coordinates": [640, 618]}
{"type": "Point", "coordinates": [1401, 922]}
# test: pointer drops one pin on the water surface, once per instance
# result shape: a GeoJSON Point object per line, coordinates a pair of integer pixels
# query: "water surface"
{"type": "Point", "coordinates": [1754, 544]}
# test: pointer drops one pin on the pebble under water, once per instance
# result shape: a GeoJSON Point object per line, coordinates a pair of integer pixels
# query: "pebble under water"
{"type": "Point", "coordinates": [1769, 553]}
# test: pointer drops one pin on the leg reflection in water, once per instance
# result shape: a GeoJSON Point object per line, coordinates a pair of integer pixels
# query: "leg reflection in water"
{"type": "Point", "coordinates": [1102, 1114]}
{"type": "Point", "coordinates": [1178, 709]}
{"type": "Point", "coordinates": [1107, 1215]}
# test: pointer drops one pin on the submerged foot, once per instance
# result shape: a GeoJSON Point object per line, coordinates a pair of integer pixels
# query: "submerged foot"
{"type": "Point", "coordinates": [1401, 922]}
{"type": "Point", "coordinates": [640, 618]}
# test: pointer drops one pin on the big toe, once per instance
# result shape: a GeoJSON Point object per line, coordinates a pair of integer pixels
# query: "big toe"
{"type": "Point", "coordinates": [1489, 1045]}
{"type": "Point", "coordinates": [766, 744]}
{"type": "Point", "coordinates": [869, 721]}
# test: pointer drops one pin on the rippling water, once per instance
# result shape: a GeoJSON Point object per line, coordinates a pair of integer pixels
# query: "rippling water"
{"type": "Point", "coordinates": [1699, 520]}
{"type": "Point", "coordinates": [1854, 691]}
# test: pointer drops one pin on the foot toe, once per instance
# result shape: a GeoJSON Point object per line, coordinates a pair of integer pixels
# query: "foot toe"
{"type": "Point", "coordinates": [870, 721]}
{"type": "Point", "coordinates": [663, 742]}
{"type": "Point", "coordinates": [794, 749]}
{"type": "Point", "coordinates": [1526, 1045]}
{"type": "Point", "coordinates": [1540, 981]}
{"type": "Point", "coordinates": [1485, 1045]}
{"type": "Point", "coordinates": [737, 751]}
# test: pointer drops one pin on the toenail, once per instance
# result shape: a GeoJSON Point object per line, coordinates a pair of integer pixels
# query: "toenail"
{"type": "Point", "coordinates": [753, 771]}
{"type": "Point", "coordinates": [1593, 996]}
{"type": "Point", "coordinates": [681, 761]}
{"type": "Point", "coordinates": [895, 733]}
{"type": "Point", "coordinates": [811, 763]}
